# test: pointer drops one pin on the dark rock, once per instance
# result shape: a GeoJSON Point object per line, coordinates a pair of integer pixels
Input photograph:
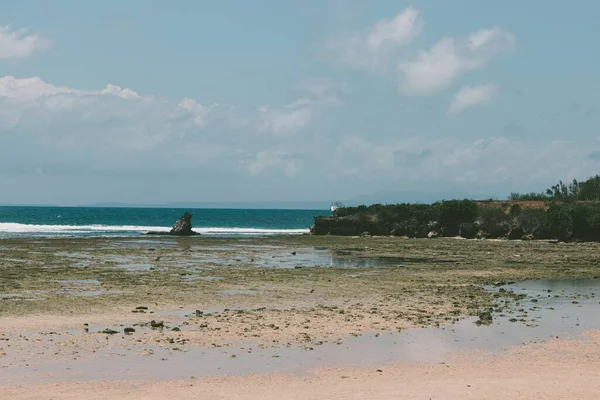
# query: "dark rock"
{"type": "Point", "coordinates": [485, 318]}
{"type": "Point", "coordinates": [128, 330]}
{"type": "Point", "coordinates": [176, 329]}
{"type": "Point", "coordinates": [156, 324]}
{"type": "Point", "coordinates": [109, 331]}
{"type": "Point", "coordinates": [141, 308]}
{"type": "Point", "coordinates": [183, 227]}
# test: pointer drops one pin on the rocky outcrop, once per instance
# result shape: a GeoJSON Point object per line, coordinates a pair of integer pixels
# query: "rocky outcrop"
{"type": "Point", "coordinates": [183, 227]}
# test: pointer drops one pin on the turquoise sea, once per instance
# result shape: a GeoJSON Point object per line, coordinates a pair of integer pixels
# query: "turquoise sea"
{"type": "Point", "coordinates": [113, 221]}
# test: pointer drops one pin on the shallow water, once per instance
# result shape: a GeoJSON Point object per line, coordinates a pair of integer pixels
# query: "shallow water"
{"type": "Point", "coordinates": [71, 282]}
{"type": "Point", "coordinates": [237, 292]}
{"type": "Point", "coordinates": [135, 266]}
{"type": "Point", "coordinates": [303, 258]}
{"type": "Point", "coordinates": [552, 317]}
{"type": "Point", "coordinates": [192, 277]}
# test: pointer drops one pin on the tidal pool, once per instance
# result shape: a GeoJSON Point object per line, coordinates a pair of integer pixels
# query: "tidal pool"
{"type": "Point", "coordinates": [566, 316]}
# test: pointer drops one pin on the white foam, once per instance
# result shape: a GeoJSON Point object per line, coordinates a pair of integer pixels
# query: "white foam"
{"type": "Point", "coordinates": [11, 227]}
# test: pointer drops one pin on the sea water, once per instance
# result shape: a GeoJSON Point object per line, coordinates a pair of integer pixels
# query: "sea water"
{"type": "Point", "coordinates": [114, 221]}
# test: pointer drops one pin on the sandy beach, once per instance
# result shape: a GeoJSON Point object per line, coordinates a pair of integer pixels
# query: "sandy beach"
{"type": "Point", "coordinates": [298, 317]}
{"type": "Point", "coordinates": [558, 369]}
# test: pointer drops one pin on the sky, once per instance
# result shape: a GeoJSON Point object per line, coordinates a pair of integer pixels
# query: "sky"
{"type": "Point", "coordinates": [189, 100]}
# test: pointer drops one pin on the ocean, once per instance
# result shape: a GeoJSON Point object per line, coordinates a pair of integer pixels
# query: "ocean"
{"type": "Point", "coordinates": [123, 222]}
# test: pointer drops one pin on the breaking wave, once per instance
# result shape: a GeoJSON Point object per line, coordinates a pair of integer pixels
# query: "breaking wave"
{"type": "Point", "coordinates": [129, 230]}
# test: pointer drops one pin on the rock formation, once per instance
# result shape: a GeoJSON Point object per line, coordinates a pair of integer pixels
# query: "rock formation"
{"type": "Point", "coordinates": [183, 227]}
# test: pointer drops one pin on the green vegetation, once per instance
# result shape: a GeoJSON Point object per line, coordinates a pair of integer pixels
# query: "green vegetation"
{"type": "Point", "coordinates": [588, 190]}
{"type": "Point", "coordinates": [563, 212]}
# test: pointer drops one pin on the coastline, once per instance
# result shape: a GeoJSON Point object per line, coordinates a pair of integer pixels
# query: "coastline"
{"type": "Point", "coordinates": [557, 369]}
{"type": "Point", "coordinates": [287, 303]}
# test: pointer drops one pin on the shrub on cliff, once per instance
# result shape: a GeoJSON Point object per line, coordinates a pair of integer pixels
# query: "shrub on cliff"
{"type": "Point", "coordinates": [452, 213]}
{"type": "Point", "coordinates": [492, 222]}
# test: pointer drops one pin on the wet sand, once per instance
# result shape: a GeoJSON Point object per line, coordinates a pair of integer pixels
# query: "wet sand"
{"type": "Point", "coordinates": [557, 369]}
{"type": "Point", "coordinates": [212, 317]}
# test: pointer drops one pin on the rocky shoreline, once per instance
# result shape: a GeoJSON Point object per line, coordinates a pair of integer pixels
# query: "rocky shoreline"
{"type": "Point", "coordinates": [564, 221]}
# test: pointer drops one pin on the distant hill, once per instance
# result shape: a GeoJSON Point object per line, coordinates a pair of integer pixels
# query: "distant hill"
{"type": "Point", "coordinates": [283, 205]}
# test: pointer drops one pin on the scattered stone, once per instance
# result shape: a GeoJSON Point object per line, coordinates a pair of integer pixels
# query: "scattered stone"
{"type": "Point", "coordinates": [109, 331]}
{"type": "Point", "coordinates": [485, 318]}
{"type": "Point", "coordinates": [176, 329]}
{"type": "Point", "coordinates": [128, 330]}
{"type": "Point", "coordinates": [141, 308]}
{"type": "Point", "coordinates": [156, 324]}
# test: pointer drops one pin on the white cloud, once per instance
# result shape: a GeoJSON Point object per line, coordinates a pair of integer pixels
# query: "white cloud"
{"type": "Point", "coordinates": [20, 44]}
{"type": "Point", "coordinates": [400, 30]}
{"type": "Point", "coordinates": [472, 96]}
{"type": "Point", "coordinates": [318, 87]}
{"type": "Point", "coordinates": [287, 120]}
{"type": "Point", "coordinates": [30, 88]}
{"type": "Point", "coordinates": [120, 92]}
{"type": "Point", "coordinates": [115, 127]}
{"type": "Point", "coordinates": [294, 117]}
{"type": "Point", "coordinates": [437, 68]}
{"type": "Point", "coordinates": [274, 160]}
{"type": "Point", "coordinates": [200, 112]}
{"type": "Point", "coordinates": [107, 121]}
{"type": "Point", "coordinates": [374, 47]}
{"type": "Point", "coordinates": [487, 161]}
{"type": "Point", "coordinates": [53, 128]}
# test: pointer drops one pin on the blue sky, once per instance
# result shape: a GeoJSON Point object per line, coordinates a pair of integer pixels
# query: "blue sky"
{"type": "Point", "coordinates": [156, 101]}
